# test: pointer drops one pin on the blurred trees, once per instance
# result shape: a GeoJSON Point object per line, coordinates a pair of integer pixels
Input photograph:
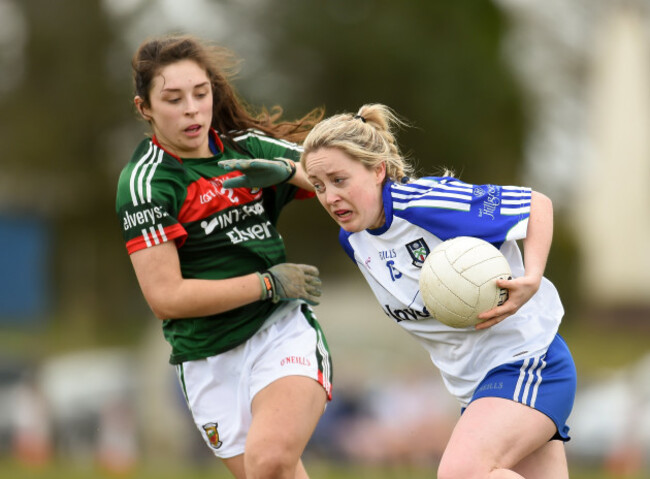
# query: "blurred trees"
{"type": "Point", "coordinates": [438, 64]}
{"type": "Point", "coordinates": [54, 137]}
{"type": "Point", "coordinates": [68, 126]}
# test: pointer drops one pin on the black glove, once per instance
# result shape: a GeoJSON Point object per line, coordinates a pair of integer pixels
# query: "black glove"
{"type": "Point", "coordinates": [290, 282]}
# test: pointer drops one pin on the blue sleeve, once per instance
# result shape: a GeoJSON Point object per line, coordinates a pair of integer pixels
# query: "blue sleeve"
{"type": "Point", "coordinates": [449, 208]}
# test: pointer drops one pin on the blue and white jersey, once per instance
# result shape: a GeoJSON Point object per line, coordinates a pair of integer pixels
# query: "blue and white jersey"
{"type": "Point", "coordinates": [420, 215]}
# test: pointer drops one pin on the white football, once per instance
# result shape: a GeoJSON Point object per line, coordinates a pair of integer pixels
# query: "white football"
{"type": "Point", "coordinates": [458, 280]}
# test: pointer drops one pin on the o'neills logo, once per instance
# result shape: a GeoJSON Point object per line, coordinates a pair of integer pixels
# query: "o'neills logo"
{"type": "Point", "coordinates": [303, 361]}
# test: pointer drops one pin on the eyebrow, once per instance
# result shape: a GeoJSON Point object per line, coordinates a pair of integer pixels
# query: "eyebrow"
{"type": "Point", "coordinates": [200, 85]}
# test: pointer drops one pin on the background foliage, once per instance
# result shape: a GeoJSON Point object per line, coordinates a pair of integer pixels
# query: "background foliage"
{"type": "Point", "coordinates": [69, 125]}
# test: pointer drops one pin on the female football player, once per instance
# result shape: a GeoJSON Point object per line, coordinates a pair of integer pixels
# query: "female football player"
{"type": "Point", "coordinates": [512, 374]}
{"type": "Point", "coordinates": [251, 358]}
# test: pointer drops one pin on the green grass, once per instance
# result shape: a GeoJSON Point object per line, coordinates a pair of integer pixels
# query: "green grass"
{"type": "Point", "coordinates": [597, 350]}
{"type": "Point", "coordinates": [321, 470]}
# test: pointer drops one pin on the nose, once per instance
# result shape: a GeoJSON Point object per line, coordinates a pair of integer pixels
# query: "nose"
{"type": "Point", "coordinates": [331, 196]}
{"type": "Point", "coordinates": [191, 107]}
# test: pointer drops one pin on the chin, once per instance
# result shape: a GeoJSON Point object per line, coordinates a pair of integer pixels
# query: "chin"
{"type": "Point", "coordinates": [350, 228]}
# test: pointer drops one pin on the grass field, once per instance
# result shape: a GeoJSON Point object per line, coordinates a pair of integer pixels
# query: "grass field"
{"type": "Point", "coordinates": [317, 471]}
{"type": "Point", "coordinates": [597, 351]}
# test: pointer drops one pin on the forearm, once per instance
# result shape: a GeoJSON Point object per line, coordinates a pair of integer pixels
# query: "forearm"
{"type": "Point", "coordinates": [539, 237]}
{"type": "Point", "coordinates": [170, 296]}
{"type": "Point", "coordinates": [203, 297]}
{"type": "Point", "coordinates": [300, 179]}
{"type": "Point", "coordinates": [262, 173]}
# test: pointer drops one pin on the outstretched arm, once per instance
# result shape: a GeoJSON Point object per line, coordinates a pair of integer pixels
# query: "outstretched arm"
{"type": "Point", "coordinates": [260, 173]}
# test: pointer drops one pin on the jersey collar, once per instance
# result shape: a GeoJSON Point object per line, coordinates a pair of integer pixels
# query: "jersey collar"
{"type": "Point", "coordinates": [216, 145]}
{"type": "Point", "coordinates": [388, 210]}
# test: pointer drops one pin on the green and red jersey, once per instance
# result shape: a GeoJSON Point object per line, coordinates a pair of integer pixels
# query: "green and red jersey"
{"type": "Point", "coordinates": [219, 232]}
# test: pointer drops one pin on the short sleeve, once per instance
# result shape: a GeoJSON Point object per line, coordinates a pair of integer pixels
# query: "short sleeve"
{"type": "Point", "coordinates": [146, 206]}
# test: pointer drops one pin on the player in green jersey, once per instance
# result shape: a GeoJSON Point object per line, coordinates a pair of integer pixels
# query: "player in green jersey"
{"type": "Point", "coordinates": [200, 229]}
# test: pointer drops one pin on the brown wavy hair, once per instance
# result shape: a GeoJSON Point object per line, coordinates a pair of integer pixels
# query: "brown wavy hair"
{"type": "Point", "coordinates": [230, 114]}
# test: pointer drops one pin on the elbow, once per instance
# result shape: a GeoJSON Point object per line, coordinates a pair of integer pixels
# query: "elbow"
{"type": "Point", "coordinates": [163, 307]}
{"type": "Point", "coordinates": [160, 313]}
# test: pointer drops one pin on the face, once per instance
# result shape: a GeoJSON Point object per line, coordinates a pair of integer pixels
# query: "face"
{"type": "Point", "coordinates": [180, 109]}
{"type": "Point", "coordinates": [349, 191]}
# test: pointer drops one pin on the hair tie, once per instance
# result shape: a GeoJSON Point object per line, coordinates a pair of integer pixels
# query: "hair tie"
{"type": "Point", "coordinates": [359, 117]}
{"type": "Point", "coordinates": [404, 180]}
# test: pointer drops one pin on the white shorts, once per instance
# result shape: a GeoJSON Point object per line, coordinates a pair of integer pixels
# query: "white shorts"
{"type": "Point", "coordinates": [220, 389]}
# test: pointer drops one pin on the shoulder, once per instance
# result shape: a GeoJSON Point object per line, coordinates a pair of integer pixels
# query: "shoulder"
{"type": "Point", "coordinates": [432, 183]}
{"type": "Point", "coordinates": [258, 142]}
{"type": "Point", "coordinates": [149, 155]}
{"type": "Point", "coordinates": [432, 192]}
{"type": "Point", "coordinates": [148, 165]}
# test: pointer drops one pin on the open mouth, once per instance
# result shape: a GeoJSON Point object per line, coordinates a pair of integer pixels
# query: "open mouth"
{"type": "Point", "coordinates": [193, 129]}
{"type": "Point", "coordinates": [342, 214]}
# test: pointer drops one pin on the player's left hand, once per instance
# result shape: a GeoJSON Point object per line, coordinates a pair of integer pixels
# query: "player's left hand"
{"type": "Point", "coordinates": [520, 290]}
{"type": "Point", "coordinates": [258, 173]}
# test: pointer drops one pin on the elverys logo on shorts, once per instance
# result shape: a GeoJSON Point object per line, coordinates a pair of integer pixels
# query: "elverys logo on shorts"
{"type": "Point", "coordinates": [212, 434]}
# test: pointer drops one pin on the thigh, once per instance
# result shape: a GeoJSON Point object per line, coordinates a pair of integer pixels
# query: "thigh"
{"type": "Point", "coordinates": [290, 384]}
{"type": "Point", "coordinates": [285, 414]}
{"type": "Point", "coordinates": [220, 389]}
{"type": "Point", "coordinates": [497, 433]}
{"type": "Point", "coordinates": [216, 394]}
{"type": "Point", "coordinates": [292, 346]}
{"type": "Point", "coordinates": [546, 382]}
{"type": "Point", "coordinates": [547, 461]}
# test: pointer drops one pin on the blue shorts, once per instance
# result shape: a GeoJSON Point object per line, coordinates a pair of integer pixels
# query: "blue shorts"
{"type": "Point", "coordinates": [546, 383]}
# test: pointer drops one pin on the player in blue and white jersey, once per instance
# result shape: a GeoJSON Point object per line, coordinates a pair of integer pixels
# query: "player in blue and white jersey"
{"type": "Point", "coordinates": [512, 374]}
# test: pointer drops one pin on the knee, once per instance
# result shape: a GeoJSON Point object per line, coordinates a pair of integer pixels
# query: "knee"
{"type": "Point", "coordinates": [458, 468]}
{"type": "Point", "coordinates": [269, 463]}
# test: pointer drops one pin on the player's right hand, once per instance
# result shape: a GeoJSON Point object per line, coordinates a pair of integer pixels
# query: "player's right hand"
{"type": "Point", "coordinates": [520, 290]}
{"type": "Point", "coordinates": [258, 173]}
{"type": "Point", "coordinates": [290, 282]}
